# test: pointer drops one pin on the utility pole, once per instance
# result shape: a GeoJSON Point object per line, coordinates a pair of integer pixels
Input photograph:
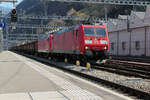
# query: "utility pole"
{"type": "Point", "coordinates": [128, 21]}
{"type": "Point", "coordinates": [45, 8]}
{"type": "Point", "coordinates": [106, 16]}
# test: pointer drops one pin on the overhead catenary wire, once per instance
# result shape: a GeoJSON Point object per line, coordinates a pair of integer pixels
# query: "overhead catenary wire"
{"type": "Point", "coordinates": [109, 2]}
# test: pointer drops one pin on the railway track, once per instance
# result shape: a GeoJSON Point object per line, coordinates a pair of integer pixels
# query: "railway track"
{"type": "Point", "coordinates": [133, 59]}
{"type": "Point", "coordinates": [123, 70]}
{"type": "Point", "coordinates": [137, 65]}
{"type": "Point", "coordinates": [121, 88]}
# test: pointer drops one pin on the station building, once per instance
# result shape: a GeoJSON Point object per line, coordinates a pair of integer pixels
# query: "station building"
{"type": "Point", "coordinates": [129, 35]}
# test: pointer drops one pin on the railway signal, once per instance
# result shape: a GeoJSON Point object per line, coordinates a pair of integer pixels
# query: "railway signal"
{"type": "Point", "coordinates": [14, 15]}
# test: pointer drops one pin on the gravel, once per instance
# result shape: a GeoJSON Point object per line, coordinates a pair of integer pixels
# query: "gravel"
{"type": "Point", "coordinates": [132, 82]}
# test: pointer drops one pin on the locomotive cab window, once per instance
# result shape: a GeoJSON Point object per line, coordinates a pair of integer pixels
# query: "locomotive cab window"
{"type": "Point", "coordinates": [100, 32]}
{"type": "Point", "coordinates": [89, 31]}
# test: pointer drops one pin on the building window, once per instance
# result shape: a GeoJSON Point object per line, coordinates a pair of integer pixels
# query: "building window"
{"type": "Point", "coordinates": [137, 45]}
{"type": "Point", "coordinates": [123, 45]}
{"type": "Point", "coordinates": [112, 46]}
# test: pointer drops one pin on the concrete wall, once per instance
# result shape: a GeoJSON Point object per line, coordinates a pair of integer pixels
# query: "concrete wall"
{"type": "Point", "coordinates": [138, 34]}
{"type": "Point", "coordinates": [141, 35]}
{"type": "Point", "coordinates": [113, 39]}
{"type": "Point", "coordinates": [124, 36]}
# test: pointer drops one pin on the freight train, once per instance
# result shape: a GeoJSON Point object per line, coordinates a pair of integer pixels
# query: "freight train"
{"type": "Point", "coordinates": [81, 42]}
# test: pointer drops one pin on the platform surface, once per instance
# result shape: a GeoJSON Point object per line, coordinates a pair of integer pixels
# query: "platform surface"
{"type": "Point", "coordinates": [22, 78]}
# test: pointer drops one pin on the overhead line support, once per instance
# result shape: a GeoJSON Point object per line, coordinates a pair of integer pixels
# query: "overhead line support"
{"type": "Point", "coordinates": [114, 2]}
{"type": "Point", "coordinates": [8, 1]}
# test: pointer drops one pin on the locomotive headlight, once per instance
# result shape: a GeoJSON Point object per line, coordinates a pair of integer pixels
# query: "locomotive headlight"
{"type": "Point", "coordinates": [103, 42]}
{"type": "Point", "coordinates": [104, 48]}
{"type": "Point", "coordinates": [86, 48]}
{"type": "Point", "coordinates": [88, 41]}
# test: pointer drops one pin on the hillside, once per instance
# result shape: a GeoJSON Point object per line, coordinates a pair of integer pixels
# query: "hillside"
{"type": "Point", "coordinates": [44, 7]}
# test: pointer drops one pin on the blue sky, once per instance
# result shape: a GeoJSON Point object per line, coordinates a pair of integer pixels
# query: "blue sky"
{"type": "Point", "coordinates": [4, 4]}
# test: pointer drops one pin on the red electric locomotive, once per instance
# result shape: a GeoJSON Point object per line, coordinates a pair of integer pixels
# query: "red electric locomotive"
{"type": "Point", "coordinates": [82, 42]}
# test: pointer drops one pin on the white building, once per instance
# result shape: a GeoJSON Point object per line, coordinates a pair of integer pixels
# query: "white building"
{"type": "Point", "coordinates": [136, 40]}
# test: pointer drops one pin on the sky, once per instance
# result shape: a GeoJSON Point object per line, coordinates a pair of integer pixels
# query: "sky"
{"type": "Point", "coordinates": [10, 5]}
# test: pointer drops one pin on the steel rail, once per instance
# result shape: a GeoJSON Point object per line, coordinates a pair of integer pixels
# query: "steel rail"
{"type": "Point", "coordinates": [146, 65]}
{"type": "Point", "coordinates": [124, 71]}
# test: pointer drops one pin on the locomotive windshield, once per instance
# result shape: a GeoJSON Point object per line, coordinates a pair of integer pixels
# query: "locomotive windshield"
{"type": "Point", "coordinates": [100, 32]}
{"type": "Point", "coordinates": [89, 31]}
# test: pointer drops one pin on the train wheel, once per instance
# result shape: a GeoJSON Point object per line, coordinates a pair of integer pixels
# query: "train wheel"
{"type": "Point", "coordinates": [77, 62]}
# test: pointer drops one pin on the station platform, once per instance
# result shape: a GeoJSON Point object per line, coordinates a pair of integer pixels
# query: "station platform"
{"type": "Point", "coordinates": [22, 78]}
